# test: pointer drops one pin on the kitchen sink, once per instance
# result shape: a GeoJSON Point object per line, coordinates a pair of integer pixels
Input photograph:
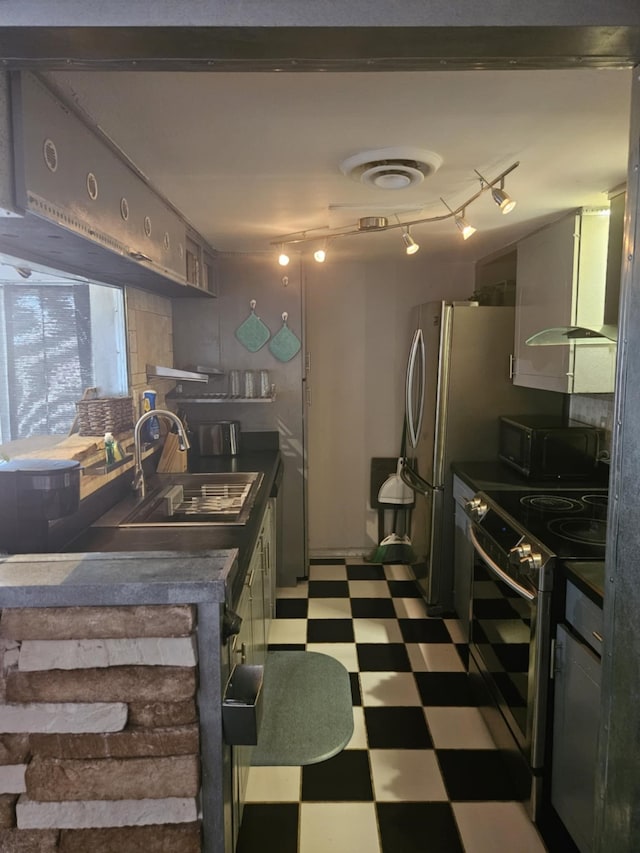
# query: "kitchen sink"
{"type": "Point", "coordinates": [192, 499]}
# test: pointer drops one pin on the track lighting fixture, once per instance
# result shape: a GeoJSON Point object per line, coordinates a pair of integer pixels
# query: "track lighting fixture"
{"type": "Point", "coordinates": [504, 202]}
{"type": "Point", "coordinates": [369, 224]}
{"type": "Point", "coordinates": [320, 255]}
{"type": "Point", "coordinates": [461, 223]}
{"type": "Point", "coordinates": [411, 247]}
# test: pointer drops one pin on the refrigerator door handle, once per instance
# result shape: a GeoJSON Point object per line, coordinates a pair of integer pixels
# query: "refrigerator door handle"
{"type": "Point", "coordinates": [412, 479]}
{"type": "Point", "coordinates": [416, 358]}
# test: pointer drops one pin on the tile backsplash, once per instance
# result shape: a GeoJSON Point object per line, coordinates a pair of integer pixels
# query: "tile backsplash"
{"type": "Point", "coordinates": [150, 341]}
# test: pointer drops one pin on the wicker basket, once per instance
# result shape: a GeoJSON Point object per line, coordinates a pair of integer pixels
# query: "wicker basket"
{"type": "Point", "coordinates": [105, 414]}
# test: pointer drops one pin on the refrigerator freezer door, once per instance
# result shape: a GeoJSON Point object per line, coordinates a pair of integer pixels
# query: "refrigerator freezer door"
{"type": "Point", "coordinates": [414, 388]}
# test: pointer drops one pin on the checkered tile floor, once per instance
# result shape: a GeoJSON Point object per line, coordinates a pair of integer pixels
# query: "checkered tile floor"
{"type": "Point", "coordinates": [421, 773]}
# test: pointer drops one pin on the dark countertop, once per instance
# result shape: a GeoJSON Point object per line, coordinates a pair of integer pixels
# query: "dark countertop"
{"type": "Point", "coordinates": [175, 562]}
{"type": "Point", "coordinates": [588, 577]}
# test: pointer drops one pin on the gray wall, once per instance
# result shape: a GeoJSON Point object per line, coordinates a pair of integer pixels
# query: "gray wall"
{"type": "Point", "coordinates": [204, 333]}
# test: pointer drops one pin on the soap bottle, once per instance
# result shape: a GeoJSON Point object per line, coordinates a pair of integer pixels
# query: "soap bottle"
{"type": "Point", "coordinates": [152, 427]}
{"type": "Point", "coordinates": [109, 448]}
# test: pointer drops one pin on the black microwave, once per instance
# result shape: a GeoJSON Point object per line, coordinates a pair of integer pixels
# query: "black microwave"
{"type": "Point", "coordinates": [547, 448]}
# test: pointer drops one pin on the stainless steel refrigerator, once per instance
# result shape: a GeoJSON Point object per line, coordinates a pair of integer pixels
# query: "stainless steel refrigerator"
{"type": "Point", "coordinates": [457, 384]}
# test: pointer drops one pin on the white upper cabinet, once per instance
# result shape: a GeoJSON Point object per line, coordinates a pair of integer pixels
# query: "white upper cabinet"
{"type": "Point", "coordinates": [561, 278]}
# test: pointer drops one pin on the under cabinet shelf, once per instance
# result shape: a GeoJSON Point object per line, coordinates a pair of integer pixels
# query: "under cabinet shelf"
{"type": "Point", "coordinates": [218, 398]}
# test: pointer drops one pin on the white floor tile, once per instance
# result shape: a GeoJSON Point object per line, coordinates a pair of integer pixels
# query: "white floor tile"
{"type": "Point", "coordinates": [274, 785]}
{"type": "Point", "coordinates": [329, 608]}
{"type": "Point", "coordinates": [454, 628]}
{"type": "Point", "coordinates": [434, 657]}
{"type": "Point", "coordinates": [359, 737]}
{"type": "Point", "coordinates": [288, 631]}
{"type": "Point", "coordinates": [458, 728]}
{"type": "Point", "coordinates": [410, 608]}
{"type": "Point", "coordinates": [406, 774]}
{"type": "Point", "coordinates": [338, 828]}
{"type": "Point", "coordinates": [344, 652]}
{"type": "Point", "coordinates": [377, 631]}
{"type": "Point", "coordinates": [398, 572]}
{"type": "Point", "coordinates": [327, 573]}
{"type": "Point", "coordinates": [369, 589]}
{"type": "Point", "coordinates": [389, 688]}
{"type": "Point", "coordinates": [300, 590]}
{"type": "Point", "coordinates": [487, 827]}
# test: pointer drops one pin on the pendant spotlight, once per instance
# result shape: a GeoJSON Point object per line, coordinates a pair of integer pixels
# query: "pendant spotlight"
{"type": "Point", "coordinates": [504, 202]}
{"type": "Point", "coordinates": [283, 258]}
{"type": "Point", "coordinates": [411, 247]}
{"type": "Point", "coordinates": [461, 223]}
{"type": "Point", "coordinates": [369, 224]}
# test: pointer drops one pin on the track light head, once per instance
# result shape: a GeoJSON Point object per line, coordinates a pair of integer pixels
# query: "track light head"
{"type": "Point", "coordinates": [320, 255]}
{"type": "Point", "coordinates": [283, 258]}
{"type": "Point", "coordinates": [504, 202]}
{"type": "Point", "coordinates": [465, 229]}
{"type": "Point", "coordinates": [411, 247]}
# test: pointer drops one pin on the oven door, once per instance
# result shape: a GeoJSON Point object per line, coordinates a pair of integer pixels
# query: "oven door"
{"type": "Point", "coordinates": [510, 627]}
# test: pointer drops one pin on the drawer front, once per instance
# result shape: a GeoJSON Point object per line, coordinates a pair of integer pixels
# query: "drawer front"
{"type": "Point", "coordinates": [585, 617]}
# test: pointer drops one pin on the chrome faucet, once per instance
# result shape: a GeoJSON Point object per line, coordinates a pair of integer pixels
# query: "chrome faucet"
{"type": "Point", "coordinates": [183, 441]}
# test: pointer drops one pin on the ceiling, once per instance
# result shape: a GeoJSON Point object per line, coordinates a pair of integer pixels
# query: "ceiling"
{"type": "Point", "coordinates": [249, 157]}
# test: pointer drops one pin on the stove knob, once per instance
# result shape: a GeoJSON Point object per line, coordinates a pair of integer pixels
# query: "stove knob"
{"type": "Point", "coordinates": [523, 555]}
{"type": "Point", "coordinates": [476, 508]}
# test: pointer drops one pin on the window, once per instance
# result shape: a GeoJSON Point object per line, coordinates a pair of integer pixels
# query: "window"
{"type": "Point", "coordinates": [58, 337]}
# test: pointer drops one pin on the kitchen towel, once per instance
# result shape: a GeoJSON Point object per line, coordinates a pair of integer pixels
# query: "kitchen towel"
{"type": "Point", "coordinates": [284, 344]}
{"type": "Point", "coordinates": [307, 712]}
{"type": "Point", "coordinates": [253, 333]}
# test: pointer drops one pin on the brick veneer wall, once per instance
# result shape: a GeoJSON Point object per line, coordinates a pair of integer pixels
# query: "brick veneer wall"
{"type": "Point", "coordinates": [99, 744]}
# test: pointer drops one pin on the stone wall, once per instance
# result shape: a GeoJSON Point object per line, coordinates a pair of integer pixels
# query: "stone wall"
{"type": "Point", "coordinates": [99, 739]}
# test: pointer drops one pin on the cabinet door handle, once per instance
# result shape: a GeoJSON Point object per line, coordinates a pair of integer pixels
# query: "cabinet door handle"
{"type": "Point", "coordinates": [512, 366]}
{"type": "Point", "coordinates": [242, 653]}
{"type": "Point", "coordinates": [597, 636]}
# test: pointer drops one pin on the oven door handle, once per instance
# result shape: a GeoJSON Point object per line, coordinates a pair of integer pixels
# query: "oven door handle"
{"type": "Point", "coordinates": [495, 568]}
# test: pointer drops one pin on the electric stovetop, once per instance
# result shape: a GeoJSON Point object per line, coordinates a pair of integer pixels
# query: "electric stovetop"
{"type": "Point", "coordinates": [570, 522]}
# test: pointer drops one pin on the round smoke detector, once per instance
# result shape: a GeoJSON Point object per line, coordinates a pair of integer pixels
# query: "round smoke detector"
{"type": "Point", "coordinates": [391, 168]}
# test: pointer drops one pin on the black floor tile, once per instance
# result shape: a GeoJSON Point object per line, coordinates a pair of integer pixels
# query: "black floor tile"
{"type": "Point", "coordinates": [477, 774]}
{"type": "Point", "coordinates": [424, 631]}
{"type": "Point", "coordinates": [397, 728]}
{"type": "Point", "coordinates": [330, 631]}
{"type": "Point", "coordinates": [463, 653]}
{"type": "Point", "coordinates": [372, 608]}
{"type": "Point", "coordinates": [404, 589]}
{"type": "Point", "coordinates": [328, 589]}
{"type": "Point", "coordinates": [346, 778]}
{"type": "Point", "coordinates": [292, 608]}
{"type": "Point", "coordinates": [370, 572]}
{"type": "Point", "coordinates": [445, 688]}
{"type": "Point", "coordinates": [383, 657]}
{"type": "Point", "coordinates": [356, 693]}
{"type": "Point", "coordinates": [270, 828]}
{"type": "Point", "coordinates": [327, 561]}
{"type": "Point", "coordinates": [286, 647]}
{"type": "Point", "coordinates": [418, 828]}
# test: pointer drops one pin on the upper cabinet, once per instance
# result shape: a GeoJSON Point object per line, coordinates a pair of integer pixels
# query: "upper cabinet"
{"type": "Point", "coordinates": [87, 209]}
{"type": "Point", "coordinates": [560, 283]}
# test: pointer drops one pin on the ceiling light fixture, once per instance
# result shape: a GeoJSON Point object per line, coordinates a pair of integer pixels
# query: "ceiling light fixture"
{"type": "Point", "coordinates": [411, 247]}
{"type": "Point", "coordinates": [370, 224]}
{"type": "Point", "coordinates": [320, 255]}
{"type": "Point", "coordinates": [461, 223]}
{"type": "Point", "coordinates": [504, 202]}
{"type": "Point", "coordinates": [283, 258]}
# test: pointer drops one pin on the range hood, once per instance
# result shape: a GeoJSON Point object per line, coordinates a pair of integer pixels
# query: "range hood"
{"type": "Point", "coordinates": [607, 332]}
{"type": "Point", "coordinates": [565, 334]}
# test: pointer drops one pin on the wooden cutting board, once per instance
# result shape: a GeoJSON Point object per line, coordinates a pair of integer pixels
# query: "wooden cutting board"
{"type": "Point", "coordinates": [173, 460]}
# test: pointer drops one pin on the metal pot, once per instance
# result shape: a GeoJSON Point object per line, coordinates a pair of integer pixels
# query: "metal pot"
{"type": "Point", "coordinates": [220, 438]}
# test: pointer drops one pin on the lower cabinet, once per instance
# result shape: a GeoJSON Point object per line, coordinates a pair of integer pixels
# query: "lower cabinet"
{"type": "Point", "coordinates": [256, 608]}
{"type": "Point", "coordinates": [576, 723]}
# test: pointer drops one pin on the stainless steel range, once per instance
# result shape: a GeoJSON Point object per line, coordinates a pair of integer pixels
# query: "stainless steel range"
{"type": "Point", "coordinates": [518, 537]}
